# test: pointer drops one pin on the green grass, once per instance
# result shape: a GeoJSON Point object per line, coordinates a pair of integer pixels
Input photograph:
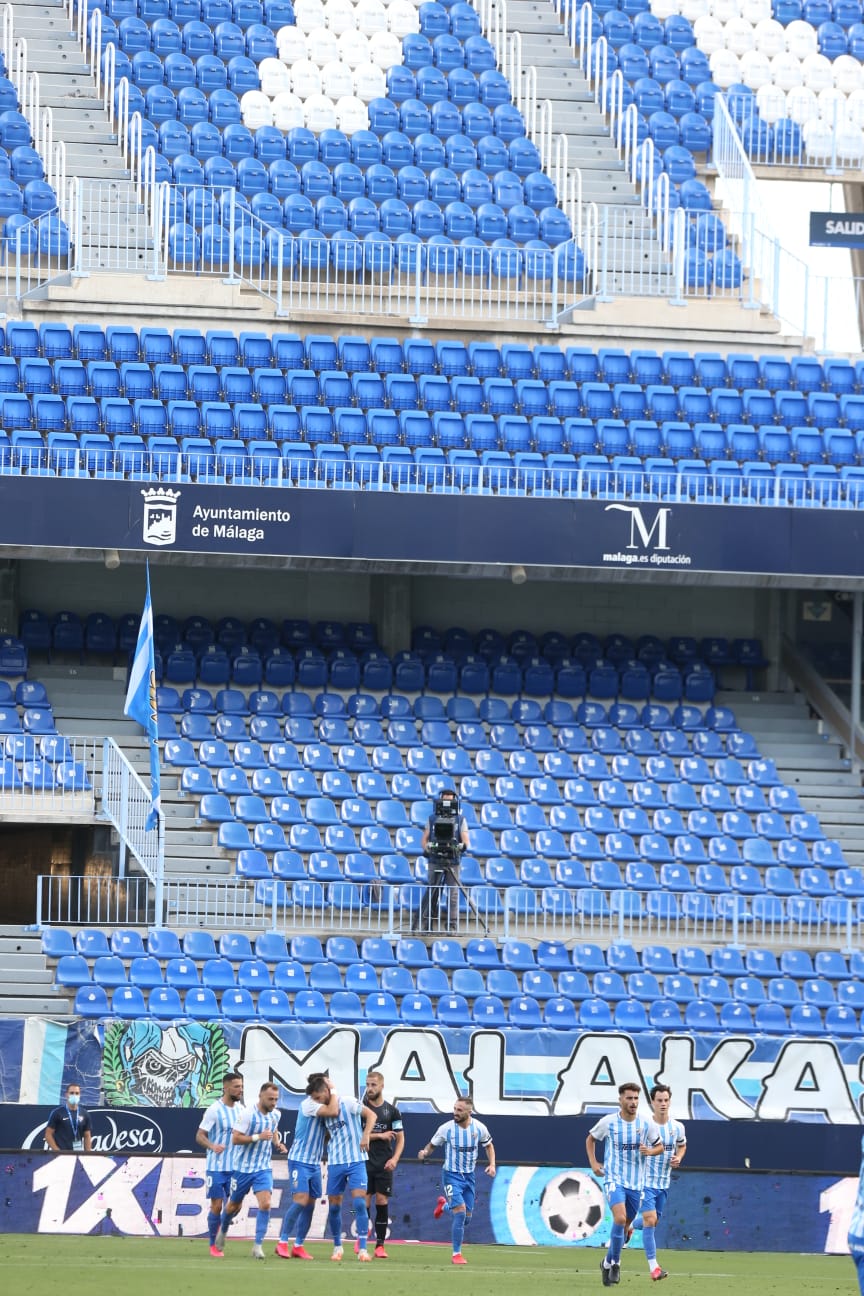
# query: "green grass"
{"type": "Point", "coordinates": [87, 1266]}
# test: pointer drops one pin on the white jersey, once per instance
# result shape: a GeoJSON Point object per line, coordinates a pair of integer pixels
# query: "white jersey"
{"type": "Point", "coordinates": [657, 1170]}
{"type": "Point", "coordinates": [856, 1224]}
{"type": "Point", "coordinates": [307, 1145]}
{"type": "Point", "coordinates": [461, 1145]}
{"type": "Point", "coordinates": [250, 1157]}
{"type": "Point", "coordinates": [345, 1132]}
{"type": "Point", "coordinates": [623, 1163]}
{"type": "Point", "coordinates": [218, 1123]}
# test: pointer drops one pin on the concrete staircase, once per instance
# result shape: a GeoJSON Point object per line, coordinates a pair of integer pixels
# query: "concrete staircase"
{"type": "Point", "coordinates": [634, 249]}
{"type": "Point", "coordinates": [809, 759]}
{"type": "Point", "coordinates": [111, 216]}
{"type": "Point", "coordinates": [26, 981]}
{"type": "Point", "coordinates": [89, 700]}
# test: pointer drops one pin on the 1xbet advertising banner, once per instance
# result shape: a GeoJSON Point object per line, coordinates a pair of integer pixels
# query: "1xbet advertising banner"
{"type": "Point", "coordinates": [526, 1205]}
{"type": "Point", "coordinates": [409, 527]}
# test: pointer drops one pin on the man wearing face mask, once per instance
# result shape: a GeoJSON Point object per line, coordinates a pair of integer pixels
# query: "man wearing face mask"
{"type": "Point", "coordinates": [68, 1128]}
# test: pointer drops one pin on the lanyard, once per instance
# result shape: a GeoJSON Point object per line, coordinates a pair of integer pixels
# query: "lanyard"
{"type": "Point", "coordinates": [74, 1123]}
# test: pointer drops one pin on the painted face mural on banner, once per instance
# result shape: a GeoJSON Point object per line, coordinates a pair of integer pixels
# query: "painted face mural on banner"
{"type": "Point", "coordinates": [148, 1065]}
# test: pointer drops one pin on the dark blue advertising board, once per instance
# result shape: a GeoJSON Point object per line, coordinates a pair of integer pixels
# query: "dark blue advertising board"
{"type": "Point", "coordinates": [381, 526]}
{"type": "Point", "coordinates": [527, 1205]}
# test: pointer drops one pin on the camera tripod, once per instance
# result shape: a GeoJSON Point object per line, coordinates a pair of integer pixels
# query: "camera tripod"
{"type": "Point", "coordinates": [443, 871]}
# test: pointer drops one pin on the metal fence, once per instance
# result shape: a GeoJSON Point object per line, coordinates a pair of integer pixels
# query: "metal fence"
{"type": "Point", "coordinates": [68, 787]}
{"type": "Point", "coordinates": [278, 465]}
{"type": "Point", "coordinates": [126, 803]}
{"type": "Point", "coordinates": [397, 910]}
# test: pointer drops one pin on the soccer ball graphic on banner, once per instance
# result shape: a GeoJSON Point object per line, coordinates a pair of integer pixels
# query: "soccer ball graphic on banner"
{"type": "Point", "coordinates": [572, 1205]}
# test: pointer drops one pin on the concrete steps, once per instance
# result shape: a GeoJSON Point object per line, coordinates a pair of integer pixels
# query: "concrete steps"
{"type": "Point", "coordinates": [26, 980]}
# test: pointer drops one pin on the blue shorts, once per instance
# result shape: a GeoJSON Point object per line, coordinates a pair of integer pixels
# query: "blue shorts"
{"type": "Point", "coordinates": [459, 1190]}
{"type": "Point", "coordinates": [218, 1184]}
{"type": "Point", "coordinates": [346, 1177]}
{"type": "Point", "coordinates": [257, 1181]}
{"type": "Point", "coordinates": [631, 1197]}
{"type": "Point", "coordinates": [304, 1177]}
{"type": "Point", "coordinates": [654, 1199]}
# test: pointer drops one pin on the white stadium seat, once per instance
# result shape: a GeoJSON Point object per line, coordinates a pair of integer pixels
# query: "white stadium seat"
{"type": "Point", "coordinates": [802, 106]}
{"type": "Point", "coordinates": [847, 73]}
{"type": "Point", "coordinates": [690, 9]}
{"type": "Point", "coordinates": [323, 46]}
{"type": "Point", "coordinates": [371, 17]}
{"type": "Point", "coordinates": [849, 141]}
{"type": "Point", "coordinates": [832, 106]}
{"type": "Point", "coordinates": [818, 73]}
{"type": "Point", "coordinates": [287, 111]}
{"type": "Point", "coordinates": [274, 77]}
{"type": "Point", "coordinates": [337, 79]}
{"type": "Point", "coordinates": [291, 44]}
{"type": "Point", "coordinates": [354, 48]}
{"type": "Point", "coordinates": [309, 14]}
{"type": "Point", "coordinates": [341, 16]}
{"type": "Point", "coordinates": [369, 82]}
{"type": "Point", "coordinates": [770, 37]}
{"type": "Point", "coordinates": [786, 71]}
{"type": "Point", "coordinates": [385, 50]}
{"type": "Point", "coordinates": [403, 18]}
{"type": "Point", "coordinates": [755, 69]}
{"type": "Point", "coordinates": [855, 107]}
{"type": "Point", "coordinates": [319, 112]}
{"type": "Point", "coordinates": [305, 79]}
{"type": "Point", "coordinates": [709, 34]}
{"type": "Point", "coordinates": [725, 10]}
{"type": "Point", "coordinates": [352, 115]}
{"type": "Point", "coordinates": [801, 39]}
{"type": "Point", "coordinates": [256, 109]}
{"type": "Point", "coordinates": [818, 140]}
{"type": "Point", "coordinates": [725, 68]}
{"type": "Point", "coordinates": [755, 11]}
{"type": "Point", "coordinates": [739, 36]}
{"type": "Point", "coordinates": [771, 102]}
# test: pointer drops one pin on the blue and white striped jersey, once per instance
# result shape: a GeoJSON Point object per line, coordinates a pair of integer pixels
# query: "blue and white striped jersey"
{"type": "Point", "coordinates": [307, 1145]}
{"type": "Point", "coordinates": [461, 1145]}
{"type": "Point", "coordinates": [856, 1224]}
{"type": "Point", "coordinates": [218, 1123]}
{"type": "Point", "coordinates": [657, 1170]}
{"type": "Point", "coordinates": [345, 1132]}
{"type": "Point", "coordinates": [249, 1157]}
{"type": "Point", "coordinates": [622, 1160]}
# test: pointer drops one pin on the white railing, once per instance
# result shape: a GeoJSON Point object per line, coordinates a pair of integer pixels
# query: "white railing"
{"type": "Point", "coordinates": [382, 908]}
{"type": "Point", "coordinates": [126, 803]}
{"type": "Point", "coordinates": [293, 466]}
{"type": "Point", "coordinates": [7, 34]}
{"type": "Point", "coordinates": [52, 794]}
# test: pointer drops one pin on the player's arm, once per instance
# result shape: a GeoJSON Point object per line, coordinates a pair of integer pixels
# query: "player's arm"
{"type": "Point", "coordinates": [331, 1107]}
{"type": "Point", "coordinates": [49, 1137]}
{"type": "Point", "coordinates": [680, 1152]}
{"type": "Point", "coordinates": [369, 1119]}
{"type": "Point", "coordinates": [436, 1141]}
{"type": "Point", "coordinates": [489, 1149]}
{"type": "Point", "coordinates": [591, 1150]}
{"type": "Point", "coordinates": [652, 1144]}
{"type": "Point", "coordinates": [202, 1138]}
{"type": "Point", "coordinates": [241, 1136]}
{"type": "Point", "coordinates": [398, 1148]}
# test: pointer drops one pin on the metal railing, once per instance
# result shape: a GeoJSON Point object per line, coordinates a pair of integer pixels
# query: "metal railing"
{"type": "Point", "coordinates": [82, 761]}
{"type": "Point", "coordinates": [126, 803]}
{"type": "Point", "coordinates": [94, 901]}
{"type": "Point", "coordinates": [715, 484]}
{"type": "Point", "coordinates": [393, 910]}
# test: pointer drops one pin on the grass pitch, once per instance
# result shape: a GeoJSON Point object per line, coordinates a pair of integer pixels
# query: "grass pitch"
{"type": "Point", "coordinates": [41, 1265]}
